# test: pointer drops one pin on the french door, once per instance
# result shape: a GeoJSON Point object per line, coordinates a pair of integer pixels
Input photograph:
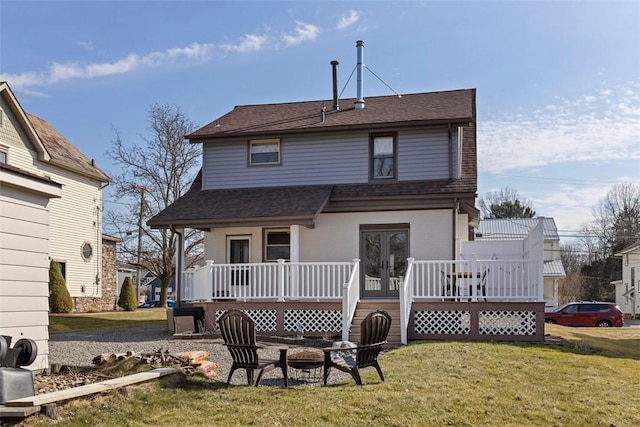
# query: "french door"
{"type": "Point", "coordinates": [384, 254]}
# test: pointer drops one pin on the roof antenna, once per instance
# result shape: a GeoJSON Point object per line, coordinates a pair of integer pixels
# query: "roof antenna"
{"type": "Point", "coordinates": [360, 66]}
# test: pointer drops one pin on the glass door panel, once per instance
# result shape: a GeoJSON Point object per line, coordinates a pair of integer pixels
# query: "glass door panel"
{"type": "Point", "coordinates": [397, 244]}
{"type": "Point", "coordinates": [239, 254]}
{"type": "Point", "coordinates": [384, 255]}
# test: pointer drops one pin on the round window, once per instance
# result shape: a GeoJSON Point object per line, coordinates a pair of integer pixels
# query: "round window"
{"type": "Point", "coordinates": [87, 251]}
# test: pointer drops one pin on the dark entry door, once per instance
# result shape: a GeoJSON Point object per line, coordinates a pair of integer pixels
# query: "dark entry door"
{"type": "Point", "coordinates": [384, 255]}
{"type": "Point", "coordinates": [239, 254]}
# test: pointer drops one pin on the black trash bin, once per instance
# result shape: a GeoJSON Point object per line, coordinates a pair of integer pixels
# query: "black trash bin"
{"type": "Point", "coordinates": [196, 312]}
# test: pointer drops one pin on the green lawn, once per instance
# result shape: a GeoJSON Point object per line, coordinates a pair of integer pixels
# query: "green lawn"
{"type": "Point", "coordinates": [108, 320]}
{"type": "Point", "coordinates": [591, 380]}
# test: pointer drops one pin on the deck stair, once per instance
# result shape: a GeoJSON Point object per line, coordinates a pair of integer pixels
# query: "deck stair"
{"type": "Point", "coordinates": [365, 307]}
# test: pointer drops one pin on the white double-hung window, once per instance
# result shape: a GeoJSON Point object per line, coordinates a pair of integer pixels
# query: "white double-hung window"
{"type": "Point", "coordinates": [264, 152]}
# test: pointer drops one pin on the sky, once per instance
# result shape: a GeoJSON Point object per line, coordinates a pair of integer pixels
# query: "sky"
{"type": "Point", "coordinates": [558, 83]}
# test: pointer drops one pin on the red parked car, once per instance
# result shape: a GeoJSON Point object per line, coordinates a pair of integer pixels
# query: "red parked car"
{"type": "Point", "coordinates": [586, 313]}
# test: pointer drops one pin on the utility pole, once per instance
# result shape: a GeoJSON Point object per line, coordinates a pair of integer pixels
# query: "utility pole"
{"type": "Point", "coordinates": [138, 278]}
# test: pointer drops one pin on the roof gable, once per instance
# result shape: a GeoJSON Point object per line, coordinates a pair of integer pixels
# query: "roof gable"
{"type": "Point", "coordinates": [422, 108]}
{"type": "Point", "coordinates": [63, 153]}
{"type": "Point", "coordinates": [51, 146]}
{"type": "Point", "coordinates": [23, 120]}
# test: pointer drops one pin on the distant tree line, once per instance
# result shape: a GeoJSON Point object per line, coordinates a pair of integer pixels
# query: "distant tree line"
{"type": "Point", "coordinates": [590, 263]}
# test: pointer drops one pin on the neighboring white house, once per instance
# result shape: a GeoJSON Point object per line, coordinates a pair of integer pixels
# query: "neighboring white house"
{"type": "Point", "coordinates": [24, 262]}
{"type": "Point", "coordinates": [50, 209]}
{"type": "Point", "coordinates": [32, 145]}
{"type": "Point", "coordinates": [627, 288]}
{"type": "Point", "coordinates": [511, 229]}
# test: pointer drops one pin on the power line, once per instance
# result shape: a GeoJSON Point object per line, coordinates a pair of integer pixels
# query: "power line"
{"type": "Point", "coordinates": [603, 183]}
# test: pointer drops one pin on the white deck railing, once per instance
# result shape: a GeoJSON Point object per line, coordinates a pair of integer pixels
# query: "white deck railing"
{"type": "Point", "coordinates": [281, 281]}
{"type": "Point", "coordinates": [491, 280]}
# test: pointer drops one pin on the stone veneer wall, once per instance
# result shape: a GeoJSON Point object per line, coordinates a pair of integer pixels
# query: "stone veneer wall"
{"type": "Point", "coordinates": [109, 282]}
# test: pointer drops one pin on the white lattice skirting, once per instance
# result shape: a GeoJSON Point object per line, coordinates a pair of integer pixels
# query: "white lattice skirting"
{"type": "Point", "coordinates": [309, 320]}
{"type": "Point", "coordinates": [266, 320]}
{"type": "Point", "coordinates": [442, 322]}
{"type": "Point", "coordinates": [507, 322]}
{"type": "Point", "coordinates": [313, 320]}
{"type": "Point", "coordinates": [491, 322]}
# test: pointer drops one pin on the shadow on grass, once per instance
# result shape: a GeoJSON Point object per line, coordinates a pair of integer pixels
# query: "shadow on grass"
{"type": "Point", "coordinates": [614, 348]}
{"type": "Point", "coordinates": [134, 332]}
{"type": "Point", "coordinates": [199, 383]}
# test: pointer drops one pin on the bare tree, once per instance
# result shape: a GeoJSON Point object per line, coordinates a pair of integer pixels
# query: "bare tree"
{"type": "Point", "coordinates": [571, 287]}
{"type": "Point", "coordinates": [505, 203]}
{"type": "Point", "coordinates": [616, 219]}
{"type": "Point", "coordinates": [154, 174]}
{"type": "Point", "coordinates": [615, 225]}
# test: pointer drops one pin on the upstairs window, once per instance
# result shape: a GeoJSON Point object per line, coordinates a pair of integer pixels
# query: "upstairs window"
{"type": "Point", "coordinates": [277, 245]}
{"type": "Point", "coordinates": [383, 157]}
{"type": "Point", "coordinates": [4, 153]}
{"type": "Point", "coordinates": [264, 152]}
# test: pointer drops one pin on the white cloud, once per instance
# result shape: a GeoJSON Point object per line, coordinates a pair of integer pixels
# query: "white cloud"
{"type": "Point", "coordinates": [303, 32]}
{"type": "Point", "coordinates": [85, 45]}
{"type": "Point", "coordinates": [191, 54]}
{"type": "Point", "coordinates": [347, 19]}
{"type": "Point", "coordinates": [248, 43]}
{"type": "Point", "coordinates": [570, 206]}
{"type": "Point", "coordinates": [195, 51]}
{"type": "Point", "coordinates": [598, 128]}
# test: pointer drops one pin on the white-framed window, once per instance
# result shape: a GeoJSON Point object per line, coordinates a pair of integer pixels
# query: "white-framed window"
{"type": "Point", "coordinates": [277, 244]}
{"type": "Point", "coordinates": [4, 154]}
{"type": "Point", "coordinates": [264, 152]}
{"type": "Point", "coordinates": [87, 251]}
{"type": "Point", "coordinates": [62, 266]}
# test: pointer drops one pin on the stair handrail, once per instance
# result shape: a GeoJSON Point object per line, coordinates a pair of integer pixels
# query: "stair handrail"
{"type": "Point", "coordinates": [350, 298]}
{"type": "Point", "coordinates": [406, 295]}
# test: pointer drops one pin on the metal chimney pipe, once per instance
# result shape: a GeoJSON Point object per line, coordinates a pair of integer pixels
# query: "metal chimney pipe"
{"type": "Point", "coordinates": [359, 100]}
{"type": "Point", "coordinates": [336, 103]}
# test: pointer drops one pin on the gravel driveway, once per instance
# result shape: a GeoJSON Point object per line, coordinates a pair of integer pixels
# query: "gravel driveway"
{"type": "Point", "coordinates": [79, 349]}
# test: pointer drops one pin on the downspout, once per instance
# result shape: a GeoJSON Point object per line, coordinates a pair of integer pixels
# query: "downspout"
{"type": "Point", "coordinates": [98, 247]}
{"type": "Point", "coordinates": [450, 148]}
{"type": "Point", "coordinates": [456, 208]}
{"type": "Point", "coordinates": [99, 240]}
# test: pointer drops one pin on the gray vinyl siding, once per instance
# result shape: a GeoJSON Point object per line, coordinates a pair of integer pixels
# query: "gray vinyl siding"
{"type": "Point", "coordinates": [423, 154]}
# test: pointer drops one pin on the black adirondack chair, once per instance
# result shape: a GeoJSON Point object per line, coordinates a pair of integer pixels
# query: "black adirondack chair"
{"type": "Point", "coordinates": [238, 333]}
{"type": "Point", "coordinates": [373, 336]}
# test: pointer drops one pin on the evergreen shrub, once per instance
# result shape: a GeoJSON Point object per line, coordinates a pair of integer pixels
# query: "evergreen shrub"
{"type": "Point", "coordinates": [59, 297]}
{"type": "Point", "coordinates": [127, 300]}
